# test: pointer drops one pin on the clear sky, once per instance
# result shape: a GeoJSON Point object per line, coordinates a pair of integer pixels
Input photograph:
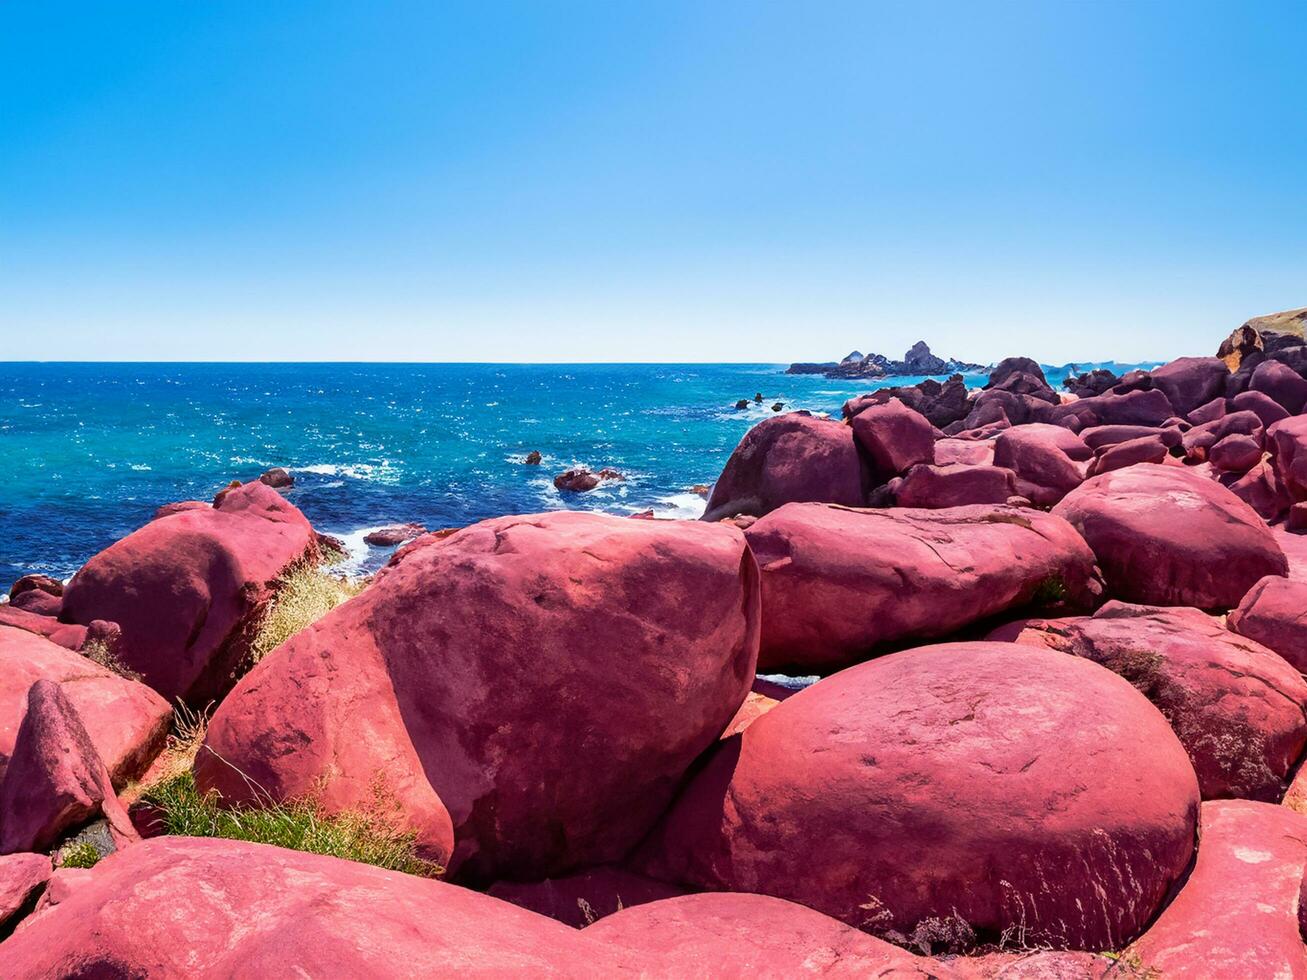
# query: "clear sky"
{"type": "Point", "coordinates": [620, 181]}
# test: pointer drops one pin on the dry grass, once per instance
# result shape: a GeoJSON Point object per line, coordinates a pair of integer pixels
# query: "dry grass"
{"type": "Point", "coordinates": [98, 653]}
{"type": "Point", "coordinates": [303, 595]}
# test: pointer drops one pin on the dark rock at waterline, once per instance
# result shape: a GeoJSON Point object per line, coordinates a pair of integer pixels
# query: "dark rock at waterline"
{"type": "Point", "coordinates": [742, 404]}
{"type": "Point", "coordinates": [581, 479]}
{"type": "Point", "coordinates": [387, 537]}
{"type": "Point", "coordinates": [44, 583]}
{"type": "Point", "coordinates": [532, 458]}
{"type": "Point", "coordinates": [778, 406]}
{"type": "Point", "coordinates": [277, 478]}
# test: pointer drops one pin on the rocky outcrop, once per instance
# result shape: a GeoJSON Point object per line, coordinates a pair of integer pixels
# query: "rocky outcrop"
{"type": "Point", "coordinates": [1050, 796]}
{"type": "Point", "coordinates": [393, 534]}
{"type": "Point", "coordinates": [189, 589]}
{"type": "Point", "coordinates": [1207, 559]}
{"type": "Point", "coordinates": [793, 458]}
{"type": "Point", "coordinates": [1237, 707]}
{"type": "Point", "coordinates": [840, 584]}
{"type": "Point", "coordinates": [547, 678]}
{"type": "Point", "coordinates": [917, 360]}
{"type": "Point", "coordinates": [278, 478]}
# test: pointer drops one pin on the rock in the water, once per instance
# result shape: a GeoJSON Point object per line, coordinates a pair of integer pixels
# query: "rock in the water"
{"type": "Point", "coordinates": [576, 480]}
{"type": "Point", "coordinates": [585, 897]}
{"type": "Point", "coordinates": [733, 936]}
{"type": "Point", "coordinates": [22, 876]}
{"type": "Point", "coordinates": [791, 458]}
{"type": "Point", "coordinates": [34, 582]}
{"type": "Point", "coordinates": [533, 458]}
{"type": "Point", "coordinates": [1237, 915]}
{"type": "Point", "coordinates": [839, 584]}
{"type": "Point", "coordinates": [1237, 707]}
{"type": "Point", "coordinates": [55, 779]}
{"type": "Point", "coordinates": [953, 485]}
{"type": "Point", "coordinates": [186, 907]}
{"type": "Point", "coordinates": [1167, 536]}
{"type": "Point", "coordinates": [1274, 613]}
{"type": "Point", "coordinates": [895, 437]}
{"type": "Point", "coordinates": [393, 534]}
{"type": "Point", "coordinates": [127, 721]}
{"type": "Point", "coordinates": [549, 677]}
{"type": "Point", "coordinates": [188, 589]}
{"type": "Point", "coordinates": [947, 794]}
{"type": "Point", "coordinates": [278, 478]}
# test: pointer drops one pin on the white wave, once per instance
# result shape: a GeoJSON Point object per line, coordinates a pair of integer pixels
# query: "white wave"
{"type": "Point", "coordinates": [141, 467]}
{"type": "Point", "coordinates": [681, 506]}
{"type": "Point", "coordinates": [793, 683]}
{"type": "Point", "coordinates": [381, 472]}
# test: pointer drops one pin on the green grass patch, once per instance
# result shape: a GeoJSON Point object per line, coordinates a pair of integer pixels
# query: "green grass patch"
{"type": "Point", "coordinates": [304, 594]}
{"type": "Point", "coordinates": [300, 825]}
{"type": "Point", "coordinates": [79, 854]}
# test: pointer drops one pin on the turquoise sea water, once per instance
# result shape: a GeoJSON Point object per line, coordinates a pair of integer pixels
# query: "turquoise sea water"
{"type": "Point", "coordinates": [90, 450]}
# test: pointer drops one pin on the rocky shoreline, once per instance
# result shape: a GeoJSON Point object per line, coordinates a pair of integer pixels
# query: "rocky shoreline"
{"type": "Point", "coordinates": [1058, 730]}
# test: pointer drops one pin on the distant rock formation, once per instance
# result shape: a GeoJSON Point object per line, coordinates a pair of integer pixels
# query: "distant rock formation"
{"type": "Point", "coordinates": [917, 360]}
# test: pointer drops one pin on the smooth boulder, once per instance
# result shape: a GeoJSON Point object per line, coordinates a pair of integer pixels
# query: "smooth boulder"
{"type": "Point", "coordinates": [1044, 472]}
{"type": "Point", "coordinates": [547, 678]}
{"type": "Point", "coordinates": [793, 457]}
{"type": "Point", "coordinates": [895, 437]}
{"type": "Point", "coordinates": [1274, 614]}
{"type": "Point", "coordinates": [22, 877]}
{"type": "Point", "coordinates": [1167, 536]}
{"type": "Point", "coordinates": [1189, 382]}
{"type": "Point", "coordinates": [953, 485]}
{"type": "Point", "coordinates": [188, 589]}
{"type": "Point", "coordinates": [839, 584]}
{"type": "Point", "coordinates": [943, 795]}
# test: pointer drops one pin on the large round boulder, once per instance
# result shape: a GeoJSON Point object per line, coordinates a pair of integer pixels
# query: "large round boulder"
{"type": "Point", "coordinates": [946, 795]}
{"type": "Point", "coordinates": [1189, 382]}
{"type": "Point", "coordinates": [1274, 614]}
{"type": "Point", "coordinates": [1168, 536]}
{"type": "Point", "coordinates": [953, 485]}
{"type": "Point", "coordinates": [894, 437]}
{"type": "Point", "coordinates": [1238, 708]}
{"type": "Point", "coordinates": [1044, 472]}
{"type": "Point", "coordinates": [126, 721]}
{"type": "Point", "coordinates": [195, 907]}
{"type": "Point", "coordinates": [549, 678]}
{"type": "Point", "coordinates": [839, 584]}
{"type": "Point", "coordinates": [189, 589]}
{"type": "Point", "coordinates": [793, 457]}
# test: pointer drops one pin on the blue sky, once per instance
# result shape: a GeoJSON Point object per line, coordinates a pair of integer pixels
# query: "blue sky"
{"type": "Point", "coordinates": [555, 181]}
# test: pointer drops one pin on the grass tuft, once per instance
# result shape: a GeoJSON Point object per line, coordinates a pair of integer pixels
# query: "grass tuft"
{"type": "Point", "coordinates": [98, 652]}
{"type": "Point", "coordinates": [79, 854]}
{"type": "Point", "coordinates": [304, 595]}
{"type": "Point", "coordinates": [301, 825]}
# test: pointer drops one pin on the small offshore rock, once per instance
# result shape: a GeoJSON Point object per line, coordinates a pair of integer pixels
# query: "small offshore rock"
{"type": "Point", "coordinates": [277, 478]}
{"type": "Point", "coordinates": [742, 404]}
{"type": "Point", "coordinates": [532, 458]}
{"type": "Point", "coordinates": [393, 534]}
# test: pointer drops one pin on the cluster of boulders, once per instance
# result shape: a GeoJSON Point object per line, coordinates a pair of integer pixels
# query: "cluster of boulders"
{"type": "Point", "coordinates": [1061, 714]}
{"type": "Point", "coordinates": [917, 360]}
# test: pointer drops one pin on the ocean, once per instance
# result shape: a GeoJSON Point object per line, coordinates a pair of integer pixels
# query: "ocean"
{"type": "Point", "coordinates": [90, 450]}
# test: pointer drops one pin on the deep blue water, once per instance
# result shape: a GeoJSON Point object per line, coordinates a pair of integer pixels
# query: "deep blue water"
{"type": "Point", "coordinates": [88, 451]}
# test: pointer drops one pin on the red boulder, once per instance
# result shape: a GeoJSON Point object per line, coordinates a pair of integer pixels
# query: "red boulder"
{"type": "Point", "coordinates": [838, 584]}
{"type": "Point", "coordinates": [1168, 536]}
{"type": "Point", "coordinates": [944, 795]}
{"type": "Point", "coordinates": [1287, 441]}
{"type": "Point", "coordinates": [1237, 707]}
{"type": "Point", "coordinates": [1274, 614]}
{"type": "Point", "coordinates": [1130, 408]}
{"type": "Point", "coordinates": [895, 437]}
{"type": "Point", "coordinates": [548, 677]}
{"type": "Point", "coordinates": [954, 485]}
{"type": "Point", "coordinates": [1237, 915]}
{"type": "Point", "coordinates": [793, 457]}
{"type": "Point", "coordinates": [22, 876]}
{"type": "Point", "coordinates": [1235, 454]}
{"type": "Point", "coordinates": [1189, 382]}
{"type": "Point", "coordinates": [127, 721]}
{"type": "Point", "coordinates": [187, 907]}
{"type": "Point", "coordinates": [1044, 472]}
{"type": "Point", "coordinates": [188, 589]}
{"type": "Point", "coordinates": [1117, 456]}
{"type": "Point", "coordinates": [1282, 383]}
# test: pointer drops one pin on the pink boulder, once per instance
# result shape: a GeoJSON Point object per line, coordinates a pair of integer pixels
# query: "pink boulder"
{"type": "Point", "coordinates": [732, 936]}
{"type": "Point", "coordinates": [840, 584]}
{"type": "Point", "coordinates": [36, 583]}
{"type": "Point", "coordinates": [1044, 472]}
{"type": "Point", "coordinates": [278, 478]}
{"type": "Point", "coordinates": [1237, 707]}
{"type": "Point", "coordinates": [1189, 382]}
{"type": "Point", "coordinates": [127, 721]}
{"type": "Point", "coordinates": [188, 907]}
{"type": "Point", "coordinates": [1235, 454]}
{"type": "Point", "coordinates": [1167, 536]}
{"type": "Point", "coordinates": [549, 678]}
{"type": "Point", "coordinates": [955, 485]}
{"type": "Point", "coordinates": [894, 437]}
{"type": "Point", "coordinates": [1210, 412]}
{"type": "Point", "coordinates": [1260, 404]}
{"type": "Point", "coordinates": [393, 534]}
{"type": "Point", "coordinates": [586, 896]}
{"type": "Point", "coordinates": [188, 589]}
{"type": "Point", "coordinates": [968, 451]}
{"type": "Point", "coordinates": [67, 636]}
{"type": "Point", "coordinates": [1237, 915]}
{"type": "Point", "coordinates": [38, 602]}
{"type": "Point", "coordinates": [55, 779]}
{"type": "Point", "coordinates": [792, 457]}
{"type": "Point", "coordinates": [1104, 436]}
{"type": "Point", "coordinates": [1282, 383]}
{"type": "Point", "coordinates": [22, 876]}
{"type": "Point", "coordinates": [1130, 408]}
{"type": "Point", "coordinates": [1287, 441]}
{"type": "Point", "coordinates": [1048, 794]}
{"type": "Point", "coordinates": [1117, 456]}
{"type": "Point", "coordinates": [1274, 614]}
{"type": "Point", "coordinates": [1199, 440]}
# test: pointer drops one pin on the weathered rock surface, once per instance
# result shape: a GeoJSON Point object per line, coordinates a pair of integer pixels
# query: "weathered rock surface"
{"type": "Point", "coordinates": [1189, 382]}
{"type": "Point", "coordinates": [22, 876]}
{"type": "Point", "coordinates": [55, 779]}
{"type": "Point", "coordinates": [1237, 915]}
{"type": "Point", "coordinates": [1274, 614]}
{"type": "Point", "coordinates": [1117, 456]}
{"type": "Point", "coordinates": [126, 720]}
{"type": "Point", "coordinates": [1044, 472]}
{"type": "Point", "coordinates": [740, 936]}
{"type": "Point", "coordinates": [277, 477]}
{"type": "Point", "coordinates": [795, 457]}
{"type": "Point", "coordinates": [837, 584]}
{"type": "Point", "coordinates": [894, 437]}
{"type": "Point", "coordinates": [1129, 408]}
{"type": "Point", "coordinates": [1208, 557]}
{"type": "Point", "coordinates": [549, 678]}
{"type": "Point", "coordinates": [1048, 793]}
{"type": "Point", "coordinates": [953, 485]}
{"type": "Point", "coordinates": [1287, 441]}
{"type": "Point", "coordinates": [184, 907]}
{"type": "Point", "coordinates": [1237, 707]}
{"type": "Point", "coordinates": [393, 534]}
{"type": "Point", "coordinates": [188, 589]}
